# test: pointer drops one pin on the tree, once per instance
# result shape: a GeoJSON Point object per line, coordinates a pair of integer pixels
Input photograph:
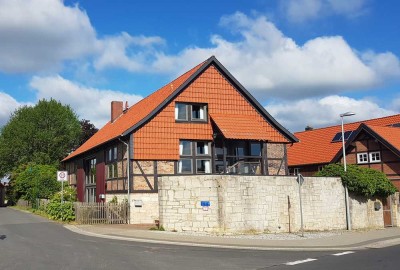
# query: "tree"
{"type": "Point", "coordinates": [88, 130]}
{"type": "Point", "coordinates": [362, 181]}
{"type": "Point", "coordinates": [43, 134]}
{"type": "Point", "coordinates": [36, 182]}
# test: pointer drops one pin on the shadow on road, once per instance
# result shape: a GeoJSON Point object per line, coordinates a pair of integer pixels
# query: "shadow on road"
{"type": "Point", "coordinates": [2, 237]}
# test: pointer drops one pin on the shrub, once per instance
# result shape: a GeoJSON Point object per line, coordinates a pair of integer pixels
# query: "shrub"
{"type": "Point", "coordinates": [360, 180]}
{"type": "Point", "coordinates": [62, 211]}
{"type": "Point", "coordinates": [36, 182]}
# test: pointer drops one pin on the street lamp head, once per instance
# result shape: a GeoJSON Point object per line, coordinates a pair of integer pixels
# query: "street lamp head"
{"type": "Point", "coordinates": [347, 114]}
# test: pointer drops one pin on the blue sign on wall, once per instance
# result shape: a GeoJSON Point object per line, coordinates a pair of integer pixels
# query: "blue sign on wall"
{"type": "Point", "coordinates": [205, 203]}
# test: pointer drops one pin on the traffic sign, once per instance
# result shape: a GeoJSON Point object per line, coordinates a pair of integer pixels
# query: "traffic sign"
{"type": "Point", "coordinates": [62, 176]}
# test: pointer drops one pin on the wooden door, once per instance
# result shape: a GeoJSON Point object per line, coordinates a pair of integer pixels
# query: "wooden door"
{"type": "Point", "coordinates": [387, 211]}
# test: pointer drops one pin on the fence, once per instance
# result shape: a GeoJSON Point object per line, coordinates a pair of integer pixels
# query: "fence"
{"type": "Point", "coordinates": [101, 213]}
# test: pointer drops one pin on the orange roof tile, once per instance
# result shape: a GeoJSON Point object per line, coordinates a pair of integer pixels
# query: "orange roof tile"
{"type": "Point", "coordinates": [133, 115]}
{"type": "Point", "coordinates": [316, 146]}
{"type": "Point", "coordinates": [158, 106]}
{"type": "Point", "coordinates": [237, 126]}
{"type": "Point", "coordinates": [390, 134]}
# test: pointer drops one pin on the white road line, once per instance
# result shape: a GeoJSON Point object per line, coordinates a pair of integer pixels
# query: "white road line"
{"type": "Point", "coordinates": [343, 253]}
{"type": "Point", "coordinates": [299, 262]}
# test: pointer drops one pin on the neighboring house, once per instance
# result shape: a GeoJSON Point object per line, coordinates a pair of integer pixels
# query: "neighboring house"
{"type": "Point", "coordinates": [373, 143]}
{"type": "Point", "coordinates": [203, 122]}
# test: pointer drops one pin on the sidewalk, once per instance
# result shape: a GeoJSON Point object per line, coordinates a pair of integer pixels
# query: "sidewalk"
{"type": "Point", "coordinates": [352, 240]}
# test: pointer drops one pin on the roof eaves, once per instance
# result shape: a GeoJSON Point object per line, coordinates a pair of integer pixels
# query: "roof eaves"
{"type": "Point", "coordinates": [372, 133]}
{"type": "Point", "coordinates": [348, 142]}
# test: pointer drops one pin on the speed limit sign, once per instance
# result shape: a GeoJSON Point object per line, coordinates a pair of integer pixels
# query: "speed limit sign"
{"type": "Point", "coordinates": [62, 176]}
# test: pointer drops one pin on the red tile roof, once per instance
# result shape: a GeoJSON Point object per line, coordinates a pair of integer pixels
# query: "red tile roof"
{"type": "Point", "coordinates": [390, 134]}
{"type": "Point", "coordinates": [316, 146]}
{"type": "Point", "coordinates": [157, 134]}
{"type": "Point", "coordinates": [133, 115]}
{"type": "Point", "coordinates": [237, 126]}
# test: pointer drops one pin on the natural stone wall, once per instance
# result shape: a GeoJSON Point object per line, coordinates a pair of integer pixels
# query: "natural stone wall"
{"type": "Point", "coordinates": [363, 212]}
{"type": "Point", "coordinates": [147, 213]}
{"type": "Point", "coordinates": [258, 204]}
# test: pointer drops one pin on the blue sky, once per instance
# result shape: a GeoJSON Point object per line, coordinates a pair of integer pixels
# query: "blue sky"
{"type": "Point", "coordinates": [306, 61]}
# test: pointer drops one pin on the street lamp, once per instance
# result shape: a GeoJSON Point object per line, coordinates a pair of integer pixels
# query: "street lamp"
{"type": "Point", "coordinates": [345, 170]}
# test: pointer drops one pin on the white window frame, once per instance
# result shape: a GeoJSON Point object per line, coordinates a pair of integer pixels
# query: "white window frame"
{"type": "Point", "coordinates": [296, 171]}
{"type": "Point", "coordinates": [373, 155]}
{"type": "Point", "coordinates": [362, 158]}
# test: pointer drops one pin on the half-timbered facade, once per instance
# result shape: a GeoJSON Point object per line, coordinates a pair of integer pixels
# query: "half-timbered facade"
{"type": "Point", "coordinates": [373, 143]}
{"type": "Point", "coordinates": [203, 122]}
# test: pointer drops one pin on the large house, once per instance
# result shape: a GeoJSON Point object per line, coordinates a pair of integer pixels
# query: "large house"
{"type": "Point", "coordinates": [373, 143]}
{"type": "Point", "coordinates": [203, 122]}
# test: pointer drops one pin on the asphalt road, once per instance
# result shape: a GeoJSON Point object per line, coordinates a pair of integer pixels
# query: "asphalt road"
{"type": "Point", "coordinates": [31, 242]}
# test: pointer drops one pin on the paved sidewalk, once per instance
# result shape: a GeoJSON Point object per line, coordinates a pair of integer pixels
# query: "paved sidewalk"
{"type": "Point", "coordinates": [344, 241]}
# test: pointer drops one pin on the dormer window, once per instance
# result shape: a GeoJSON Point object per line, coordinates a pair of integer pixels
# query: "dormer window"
{"type": "Point", "coordinates": [190, 112]}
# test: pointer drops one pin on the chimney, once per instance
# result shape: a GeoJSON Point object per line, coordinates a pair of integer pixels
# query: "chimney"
{"type": "Point", "coordinates": [308, 128]}
{"type": "Point", "coordinates": [116, 109]}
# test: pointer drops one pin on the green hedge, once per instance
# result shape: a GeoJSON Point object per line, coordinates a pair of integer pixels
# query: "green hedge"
{"type": "Point", "coordinates": [360, 180]}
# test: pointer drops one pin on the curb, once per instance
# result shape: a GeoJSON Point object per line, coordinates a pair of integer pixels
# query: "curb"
{"type": "Point", "coordinates": [372, 245]}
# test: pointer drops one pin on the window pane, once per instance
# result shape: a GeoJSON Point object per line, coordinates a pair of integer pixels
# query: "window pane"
{"type": "Point", "coordinates": [203, 166]}
{"type": "Point", "coordinates": [198, 112]}
{"type": "Point", "coordinates": [185, 166]}
{"type": "Point", "coordinates": [255, 149]}
{"type": "Point", "coordinates": [185, 148]}
{"type": "Point", "coordinates": [202, 148]}
{"type": "Point", "coordinates": [181, 111]}
{"type": "Point", "coordinates": [115, 153]}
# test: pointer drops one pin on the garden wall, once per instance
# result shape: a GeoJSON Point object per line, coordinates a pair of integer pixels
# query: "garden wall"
{"type": "Point", "coordinates": [258, 204]}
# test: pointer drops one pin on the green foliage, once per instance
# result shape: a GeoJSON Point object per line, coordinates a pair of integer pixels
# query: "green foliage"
{"type": "Point", "coordinates": [88, 130]}
{"type": "Point", "coordinates": [114, 199]}
{"type": "Point", "coordinates": [62, 211]}
{"type": "Point", "coordinates": [43, 134]}
{"type": "Point", "coordinates": [33, 182]}
{"type": "Point", "coordinates": [360, 180]}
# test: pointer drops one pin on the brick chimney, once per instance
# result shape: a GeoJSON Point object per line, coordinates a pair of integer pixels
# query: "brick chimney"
{"type": "Point", "coordinates": [116, 109]}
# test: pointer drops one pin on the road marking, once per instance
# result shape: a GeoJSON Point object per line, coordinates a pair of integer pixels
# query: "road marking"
{"type": "Point", "coordinates": [343, 253]}
{"type": "Point", "coordinates": [301, 261]}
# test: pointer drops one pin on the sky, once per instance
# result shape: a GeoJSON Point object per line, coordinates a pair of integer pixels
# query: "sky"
{"type": "Point", "coordinates": [306, 61]}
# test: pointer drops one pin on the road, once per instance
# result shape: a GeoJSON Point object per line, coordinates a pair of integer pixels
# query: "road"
{"type": "Point", "coordinates": [31, 242]}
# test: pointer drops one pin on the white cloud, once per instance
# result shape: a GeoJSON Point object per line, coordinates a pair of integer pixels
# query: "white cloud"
{"type": "Point", "coordinates": [40, 34]}
{"type": "Point", "coordinates": [89, 103]}
{"type": "Point", "coordinates": [8, 105]}
{"type": "Point", "coordinates": [115, 52]}
{"type": "Point", "coordinates": [296, 115]}
{"type": "Point", "coordinates": [271, 64]}
{"type": "Point", "coordinates": [304, 10]}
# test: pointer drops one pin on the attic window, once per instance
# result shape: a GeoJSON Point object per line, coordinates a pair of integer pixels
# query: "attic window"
{"type": "Point", "coordinates": [185, 112]}
{"type": "Point", "coordinates": [338, 136]}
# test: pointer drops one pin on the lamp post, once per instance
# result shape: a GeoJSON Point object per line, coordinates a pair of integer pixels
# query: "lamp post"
{"type": "Point", "coordinates": [346, 191]}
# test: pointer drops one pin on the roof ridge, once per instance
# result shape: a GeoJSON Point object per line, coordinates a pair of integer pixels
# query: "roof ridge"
{"type": "Point", "coordinates": [350, 123]}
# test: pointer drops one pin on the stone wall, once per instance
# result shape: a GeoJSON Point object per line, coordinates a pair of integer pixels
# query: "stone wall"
{"type": "Point", "coordinates": [147, 213]}
{"type": "Point", "coordinates": [258, 204]}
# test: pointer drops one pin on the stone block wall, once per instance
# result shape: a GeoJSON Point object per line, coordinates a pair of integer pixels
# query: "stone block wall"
{"type": "Point", "coordinates": [258, 204]}
{"type": "Point", "coordinates": [147, 213]}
